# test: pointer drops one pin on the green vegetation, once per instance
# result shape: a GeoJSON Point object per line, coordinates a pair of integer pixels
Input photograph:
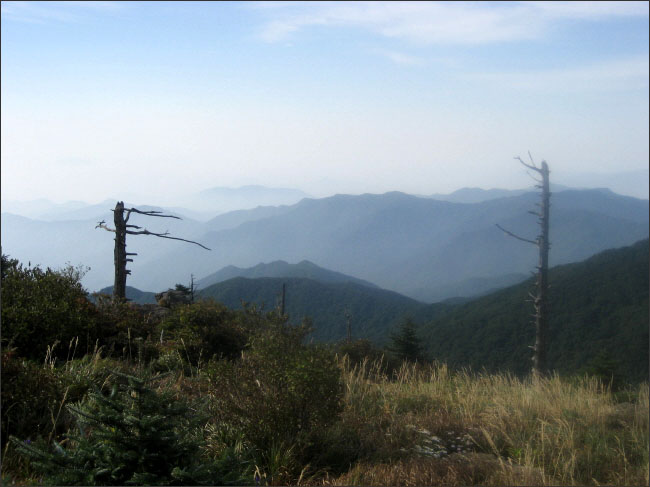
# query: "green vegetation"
{"type": "Point", "coordinates": [279, 397]}
{"type": "Point", "coordinates": [373, 311]}
{"type": "Point", "coordinates": [406, 345]}
{"type": "Point", "coordinates": [43, 309]}
{"type": "Point", "coordinates": [597, 306]}
{"type": "Point", "coordinates": [204, 394]}
{"type": "Point", "coordinates": [132, 436]}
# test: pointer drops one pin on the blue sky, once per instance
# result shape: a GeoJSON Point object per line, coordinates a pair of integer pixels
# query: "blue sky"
{"type": "Point", "coordinates": [151, 101]}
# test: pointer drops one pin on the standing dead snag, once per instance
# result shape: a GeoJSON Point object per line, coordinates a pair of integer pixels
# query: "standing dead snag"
{"type": "Point", "coordinates": [348, 316]}
{"type": "Point", "coordinates": [540, 301]}
{"type": "Point", "coordinates": [120, 256]}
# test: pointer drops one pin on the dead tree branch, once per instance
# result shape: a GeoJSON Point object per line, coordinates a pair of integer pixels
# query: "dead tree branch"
{"type": "Point", "coordinates": [147, 213]}
{"type": "Point", "coordinates": [102, 224]}
{"type": "Point", "coordinates": [164, 235]}
{"type": "Point", "coordinates": [535, 242]}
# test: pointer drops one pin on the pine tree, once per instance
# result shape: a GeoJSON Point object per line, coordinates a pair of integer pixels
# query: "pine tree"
{"type": "Point", "coordinates": [406, 343]}
{"type": "Point", "coordinates": [134, 436]}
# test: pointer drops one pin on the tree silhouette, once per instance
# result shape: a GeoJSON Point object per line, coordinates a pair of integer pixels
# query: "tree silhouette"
{"type": "Point", "coordinates": [121, 230]}
{"type": "Point", "coordinates": [406, 343]}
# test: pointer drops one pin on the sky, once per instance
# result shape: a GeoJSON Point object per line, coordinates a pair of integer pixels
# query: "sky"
{"type": "Point", "coordinates": [152, 101]}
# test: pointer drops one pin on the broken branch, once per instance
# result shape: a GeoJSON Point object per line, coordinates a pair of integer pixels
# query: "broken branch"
{"type": "Point", "coordinates": [516, 236]}
{"type": "Point", "coordinates": [152, 213]}
{"type": "Point", "coordinates": [102, 224]}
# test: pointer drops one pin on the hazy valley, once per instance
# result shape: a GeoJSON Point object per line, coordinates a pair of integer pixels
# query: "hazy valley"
{"type": "Point", "coordinates": [426, 248]}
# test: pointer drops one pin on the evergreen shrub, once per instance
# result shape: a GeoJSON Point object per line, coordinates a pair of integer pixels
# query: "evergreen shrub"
{"type": "Point", "coordinates": [133, 436]}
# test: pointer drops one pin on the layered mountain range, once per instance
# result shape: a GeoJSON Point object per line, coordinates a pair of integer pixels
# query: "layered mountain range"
{"type": "Point", "coordinates": [423, 247]}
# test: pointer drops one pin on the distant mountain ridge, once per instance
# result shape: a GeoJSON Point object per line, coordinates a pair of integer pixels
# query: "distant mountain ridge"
{"type": "Point", "coordinates": [416, 246]}
{"type": "Point", "coordinates": [281, 269]}
{"type": "Point", "coordinates": [223, 199]}
{"type": "Point", "coordinates": [252, 190]}
{"type": "Point", "coordinates": [133, 294]}
{"type": "Point", "coordinates": [478, 195]}
{"type": "Point", "coordinates": [428, 249]}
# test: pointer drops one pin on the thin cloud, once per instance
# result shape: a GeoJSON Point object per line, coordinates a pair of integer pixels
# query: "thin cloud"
{"type": "Point", "coordinates": [439, 22]}
{"type": "Point", "coordinates": [590, 10]}
{"type": "Point", "coordinates": [624, 74]}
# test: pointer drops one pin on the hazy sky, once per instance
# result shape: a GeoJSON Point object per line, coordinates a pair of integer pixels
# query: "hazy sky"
{"type": "Point", "coordinates": [149, 101]}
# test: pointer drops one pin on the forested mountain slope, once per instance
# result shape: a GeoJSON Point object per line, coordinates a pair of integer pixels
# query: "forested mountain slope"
{"type": "Point", "coordinates": [597, 307]}
{"type": "Point", "coordinates": [373, 311]}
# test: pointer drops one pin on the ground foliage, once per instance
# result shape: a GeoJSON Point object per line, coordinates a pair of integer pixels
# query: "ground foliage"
{"type": "Point", "coordinates": [269, 407]}
{"type": "Point", "coordinates": [44, 308]}
{"type": "Point", "coordinates": [132, 436]}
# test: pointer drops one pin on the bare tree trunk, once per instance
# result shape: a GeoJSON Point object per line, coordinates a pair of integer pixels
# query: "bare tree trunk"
{"type": "Point", "coordinates": [349, 335]}
{"type": "Point", "coordinates": [541, 301]}
{"type": "Point", "coordinates": [119, 286]}
{"type": "Point", "coordinates": [284, 289]}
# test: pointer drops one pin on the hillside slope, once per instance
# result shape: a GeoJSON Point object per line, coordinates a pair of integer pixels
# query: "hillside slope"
{"type": "Point", "coordinates": [133, 294]}
{"type": "Point", "coordinates": [372, 311]}
{"type": "Point", "coordinates": [598, 306]}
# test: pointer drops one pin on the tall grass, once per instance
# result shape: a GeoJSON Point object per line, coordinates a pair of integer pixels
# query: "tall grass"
{"type": "Point", "coordinates": [417, 425]}
{"type": "Point", "coordinates": [550, 431]}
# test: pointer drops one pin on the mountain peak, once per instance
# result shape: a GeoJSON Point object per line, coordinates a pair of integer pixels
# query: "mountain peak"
{"type": "Point", "coordinates": [281, 269]}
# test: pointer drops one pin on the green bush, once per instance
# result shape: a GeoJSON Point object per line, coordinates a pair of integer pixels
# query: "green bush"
{"type": "Point", "coordinates": [362, 350]}
{"type": "Point", "coordinates": [31, 397]}
{"type": "Point", "coordinates": [127, 331]}
{"type": "Point", "coordinates": [278, 395]}
{"type": "Point", "coordinates": [204, 330]}
{"type": "Point", "coordinates": [42, 308]}
{"type": "Point", "coordinates": [134, 436]}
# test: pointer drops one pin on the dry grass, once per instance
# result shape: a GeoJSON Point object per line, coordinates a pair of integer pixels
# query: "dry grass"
{"type": "Point", "coordinates": [495, 429]}
{"type": "Point", "coordinates": [544, 432]}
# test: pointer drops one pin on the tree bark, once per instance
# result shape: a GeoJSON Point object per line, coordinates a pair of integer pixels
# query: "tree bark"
{"type": "Point", "coordinates": [119, 286]}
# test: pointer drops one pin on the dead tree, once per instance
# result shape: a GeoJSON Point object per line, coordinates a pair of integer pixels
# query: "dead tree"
{"type": "Point", "coordinates": [348, 317]}
{"type": "Point", "coordinates": [540, 300]}
{"type": "Point", "coordinates": [121, 230]}
{"type": "Point", "coordinates": [282, 299]}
